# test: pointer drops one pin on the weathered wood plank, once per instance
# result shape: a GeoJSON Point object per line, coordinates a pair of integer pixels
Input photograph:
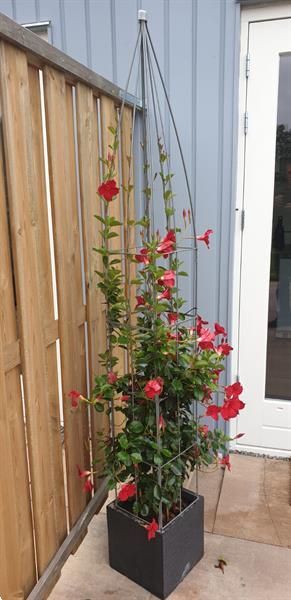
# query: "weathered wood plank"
{"type": "Point", "coordinates": [47, 302]}
{"type": "Point", "coordinates": [60, 130]}
{"type": "Point", "coordinates": [89, 173]}
{"type": "Point", "coordinates": [17, 566]}
{"type": "Point", "coordinates": [23, 206]}
{"type": "Point", "coordinates": [44, 584]}
{"type": "Point", "coordinates": [109, 118]}
{"type": "Point", "coordinates": [11, 356]}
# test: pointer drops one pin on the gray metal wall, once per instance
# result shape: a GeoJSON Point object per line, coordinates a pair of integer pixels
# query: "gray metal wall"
{"type": "Point", "coordinates": [197, 43]}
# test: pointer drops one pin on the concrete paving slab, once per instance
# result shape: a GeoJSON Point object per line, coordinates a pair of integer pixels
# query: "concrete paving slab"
{"type": "Point", "coordinates": [278, 497]}
{"type": "Point", "coordinates": [254, 502]}
{"type": "Point", "coordinates": [253, 572]}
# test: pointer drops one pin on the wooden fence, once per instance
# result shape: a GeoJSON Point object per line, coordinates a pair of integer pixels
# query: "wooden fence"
{"type": "Point", "coordinates": [51, 316]}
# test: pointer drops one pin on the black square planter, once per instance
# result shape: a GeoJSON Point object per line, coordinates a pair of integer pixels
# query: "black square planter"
{"type": "Point", "coordinates": [160, 564]}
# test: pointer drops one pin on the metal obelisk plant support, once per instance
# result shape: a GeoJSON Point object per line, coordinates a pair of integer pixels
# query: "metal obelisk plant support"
{"type": "Point", "coordinates": [149, 88]}
{"type": "Point", "coordinates": [172, 360]}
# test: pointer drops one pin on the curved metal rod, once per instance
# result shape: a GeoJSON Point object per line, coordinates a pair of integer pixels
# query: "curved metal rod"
{"type": "Point", "coordinates": [175, 129]}
{"type": "Point", "coordinates": [128, 79]}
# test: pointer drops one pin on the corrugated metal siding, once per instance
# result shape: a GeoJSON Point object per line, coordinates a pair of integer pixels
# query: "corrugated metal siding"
{"type": "Point", "coordinates": [197, 45]}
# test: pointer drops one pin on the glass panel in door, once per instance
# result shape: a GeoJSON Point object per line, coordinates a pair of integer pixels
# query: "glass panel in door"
{"type": "Point", "coordinates": [278, 372]}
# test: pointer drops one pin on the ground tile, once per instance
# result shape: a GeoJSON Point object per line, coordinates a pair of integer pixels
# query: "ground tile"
{"type": "Point", "coordinates": [209, 486]}
{"type": "Point", "coordinates": [243, 510]}
{"type": "Point", "coordinates": [253, 572]}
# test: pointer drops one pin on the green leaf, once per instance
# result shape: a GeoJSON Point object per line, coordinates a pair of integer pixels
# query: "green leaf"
{"type": "Point", "coordinates": [168, 194]}
{"type": "Point", "coordinates": [175, 469]}
{"type": "Point", "coordinates": [112, 222]}
{"type": "Point", "coordinates": [124, 458]}
{"type": "Point", "coordinates": [166, 453]}
{"type": "Point", "coordinates": [144, 510]}
{"type": "Point", "coordinates": [99, 407]}
{"type": "Point", "coordinates": [136, 457]}
{"type": "Point", "coordinates": [171, 482]}
{"type": "Point", "coordinates": [123, 441]}
{"type": "Point", "coordinates": [136, 427]}
{"type": "Point", "coordinates": [169, 212]}
{"type": "Point", "coordinates": [166, 501]}
{"type": "Point", "coordinates": [111, 234]}
{"type": "Point", "coordinates": [158, 460]}
{"type": "Point", "coordinates": [100, 219]}
{"type": "Point", "coordinates": [157, 492]}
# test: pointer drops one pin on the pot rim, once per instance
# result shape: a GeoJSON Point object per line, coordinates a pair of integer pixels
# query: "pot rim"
{"type": "Point", "coordinates": [142, 521]}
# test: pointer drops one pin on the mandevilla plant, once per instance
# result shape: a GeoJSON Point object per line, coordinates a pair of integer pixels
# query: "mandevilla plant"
{"type": "Point", "coordinates": [171, 366]}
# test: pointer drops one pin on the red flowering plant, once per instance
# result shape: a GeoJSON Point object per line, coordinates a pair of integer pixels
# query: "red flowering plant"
{"type": "Point", "coordinates": [172, 367]}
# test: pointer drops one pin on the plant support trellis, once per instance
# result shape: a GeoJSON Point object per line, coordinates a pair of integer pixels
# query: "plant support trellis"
{"type": "Point", "coordinates": [153, 129]}
{"type": "Point", "coordinates": [160, 361]}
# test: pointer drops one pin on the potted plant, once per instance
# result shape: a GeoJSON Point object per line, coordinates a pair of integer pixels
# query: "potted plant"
{"type": "Point", "coordinates": [155, 525]}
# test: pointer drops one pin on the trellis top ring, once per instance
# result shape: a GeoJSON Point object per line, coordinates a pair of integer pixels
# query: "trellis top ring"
{"type": "Point", "coordinates": [142, 15]}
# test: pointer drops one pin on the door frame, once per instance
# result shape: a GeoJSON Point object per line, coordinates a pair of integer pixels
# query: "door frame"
{"type": "Point", "coordinates": [248, 15]}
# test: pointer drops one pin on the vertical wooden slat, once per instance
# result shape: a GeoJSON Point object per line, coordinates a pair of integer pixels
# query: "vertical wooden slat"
{"type": "Point", "coordinates": [47, 301]}
{"type": "Point", "coordinates": [23, 206]}
{"type": "Point", "coordinates": [109, 119]}
{"type": "Point", "coordinates": [60, 130]}
{"type": "Point", "coordinates": [89, 173]}
{"type": "Point", "coordinates": [11, 576]}
{"type": "Point", "coordinates": [17, 565]}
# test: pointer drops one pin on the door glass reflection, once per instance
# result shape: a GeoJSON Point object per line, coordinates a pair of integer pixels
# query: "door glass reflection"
{"type": "Point", "coordinates": [278, 373]}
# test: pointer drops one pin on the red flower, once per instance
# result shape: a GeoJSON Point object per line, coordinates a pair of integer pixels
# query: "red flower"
{"type": "Point", "coordinates": [172, 318]}
{"type": "Point", "coordinates": [233, 390]}
{"type": "Point", "coordinates": [167, 279]}
{"type": "Point", "coordinates": [205, 340]}
{"type": "Point", "coordinates": [205, 237]}
{"type": "Point", "coordinates": [142, 257]}
{"type": "Point", "coordinates": [231, 408]}
{"type": "Point", "coordinates": [199, 324]}
{"type": "Point", "coordinates": [74, 395]}
{"type": "Point", "coordinates": [166, 295]}
{"type": "Point", "coordinates": [140, 301]}
{"type": "Point", "coordinates": [224, 349]}
{"type": "Point", "coordinates": [154, 387]}
{"type": "Point", "coordinates": [127, 490]}
{"type": "Point", "coordinates": [225, 461]}
{"type": "Point", "coordinates": [219, 330]}
{"type": "Point", "coordinates": [207, 393]}
{"type": "Point", "coordinates": [239, 435]}
{"type": "Point", "coordinates": [111, 377]}
{"type": "Point", "coordinates": [151, 529]}
{"type": "Point", "coordinates": [108, 189]}
{"type": "Point", "coordinates": [232, 404]}
{"type": "Point", "coordinates": [88, 486]}
{"type": "Point", "coordinates": [212, 411]}
{"type": "Point", "coordinates": [167, 244]}
{"type": "Point", "coordinates": [125, 398]}
{"type": "Point", "coordinates": [83, 473]}
{"type": "Point", "coordinates": [216, 373]}
{"type": "Point", "coordinates": [203, 429]}
{"type": "Point", "coordinates": [162, 423]}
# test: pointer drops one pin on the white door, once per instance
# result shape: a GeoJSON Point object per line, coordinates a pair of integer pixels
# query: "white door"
{"type": "Point", "coordinates": [264, 320]}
